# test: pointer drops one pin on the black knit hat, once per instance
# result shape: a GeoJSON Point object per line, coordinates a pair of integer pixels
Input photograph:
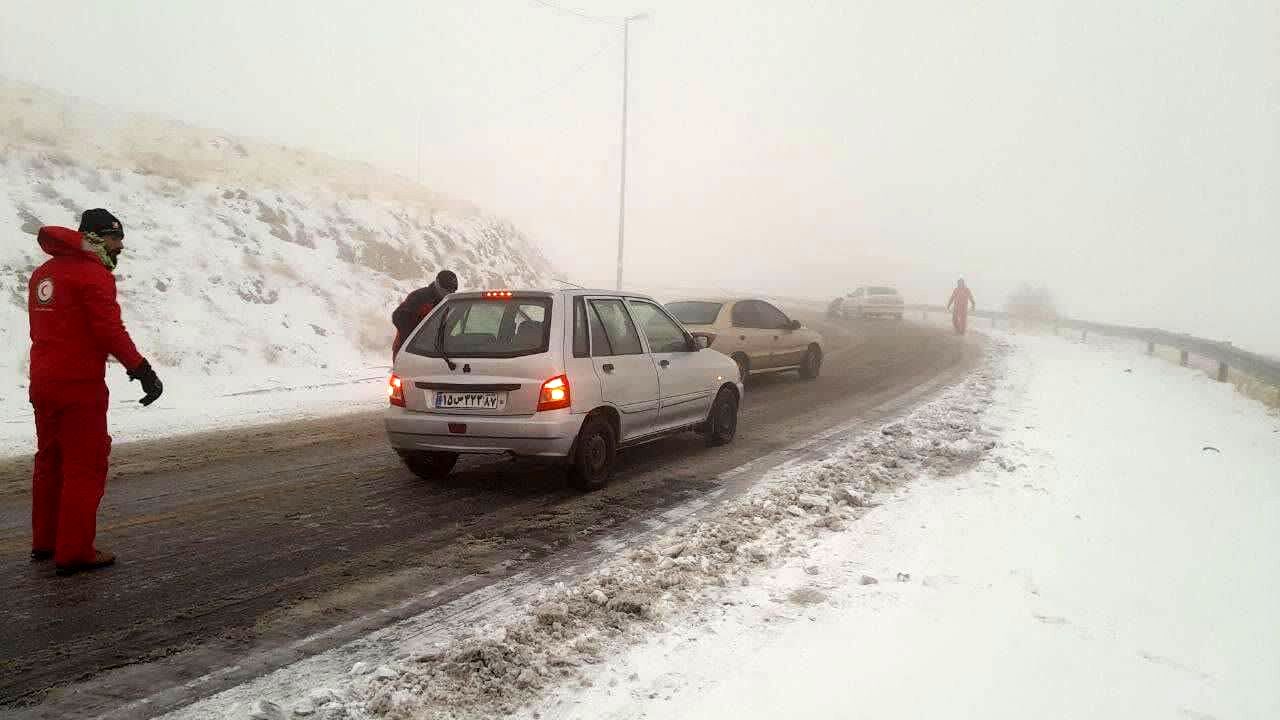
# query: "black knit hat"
{"type": "Point", "coordinates": [100, 222]}
{"type": "Point", "coordinates": [447, 280]}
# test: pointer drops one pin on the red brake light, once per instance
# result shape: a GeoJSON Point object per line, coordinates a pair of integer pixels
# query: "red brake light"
{"type": "Point", "coordinates": [498, 295]}
{"type": "Point", "coordinates": [555, 394]}
{"type": "Point", "coordinates": [395, 390]}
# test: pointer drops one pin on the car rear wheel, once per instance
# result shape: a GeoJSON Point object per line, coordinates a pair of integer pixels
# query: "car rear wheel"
{"type": "Point", "coordinates": [812, 365]}
{"type": "Point", "coordinates": [429, 465]}
{"type": "Point", "coordinates": [593, 455]}
{"type": "Point", "coordinates": [722, 422]}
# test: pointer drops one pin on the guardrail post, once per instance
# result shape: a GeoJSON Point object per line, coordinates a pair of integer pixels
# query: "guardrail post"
{"type": "Point", "coordinates": [1084, 336]}
{"type": "Point", "coordinates": [1151, 348]}
{"type": "Point", "coordinates": [1222, 371]}
{"type": "Point", "coordinates": [1182, 359]}
{"type": "Point", "coordinates": [924, 315]}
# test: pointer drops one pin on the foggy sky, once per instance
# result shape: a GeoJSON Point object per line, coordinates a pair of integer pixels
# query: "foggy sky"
{"type": "Point", "coordinates": [1124, 154]}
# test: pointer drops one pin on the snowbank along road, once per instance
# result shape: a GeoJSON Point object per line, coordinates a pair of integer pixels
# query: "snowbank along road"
{"type": "Point", "coordinates": [244, 552]}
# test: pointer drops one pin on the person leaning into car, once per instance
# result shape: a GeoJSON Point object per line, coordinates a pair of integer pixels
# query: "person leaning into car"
{"type": "Point", "coordinates": [75, 325]}
{"type": "Point", "coordinates": [418, 304]}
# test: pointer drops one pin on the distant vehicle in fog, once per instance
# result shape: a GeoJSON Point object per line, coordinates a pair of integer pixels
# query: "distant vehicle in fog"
{"type": "Point", "coordinates": [874, 301]}
{"type": "Point", "coordinates": [757, 335]}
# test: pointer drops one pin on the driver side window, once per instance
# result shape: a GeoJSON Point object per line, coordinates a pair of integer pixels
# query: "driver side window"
{"type": "Point", "coordinates": [773, 318]}
{"type": "Point", "coordinates": [662, 332]}
{"type": "Point", "coordinates": [745, 314]}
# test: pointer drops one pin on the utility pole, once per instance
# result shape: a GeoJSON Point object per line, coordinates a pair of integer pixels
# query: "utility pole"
{"type": "Point", "coordinates": [622, 175]}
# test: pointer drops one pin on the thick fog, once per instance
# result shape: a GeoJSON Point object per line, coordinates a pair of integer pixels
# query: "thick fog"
{"type": "Point", "coordinates": [1125, 155]}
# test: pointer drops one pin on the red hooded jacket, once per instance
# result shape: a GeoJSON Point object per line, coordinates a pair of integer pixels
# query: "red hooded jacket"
{"type": "Point", "coordinates": [75, 319]}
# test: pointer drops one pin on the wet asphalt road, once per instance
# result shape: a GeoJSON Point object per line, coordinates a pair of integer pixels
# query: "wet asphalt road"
{"type": "Point", "coordinates": [230, 543]}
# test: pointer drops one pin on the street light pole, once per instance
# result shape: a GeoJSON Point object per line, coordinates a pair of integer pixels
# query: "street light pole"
{"type": "Point", "coordinates": [622, 179]}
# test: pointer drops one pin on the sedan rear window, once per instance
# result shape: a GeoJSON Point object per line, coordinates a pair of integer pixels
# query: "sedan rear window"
{"type": "Point", "coordinates": [695, 313]}
{"type": "Point", "coordinates": [483, 327]}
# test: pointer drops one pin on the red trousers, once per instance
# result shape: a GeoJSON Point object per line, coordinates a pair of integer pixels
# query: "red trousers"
{"type": "Point", "coordinates": [960, 321]}
{"type": "Point", "coordinates": [70, 475]}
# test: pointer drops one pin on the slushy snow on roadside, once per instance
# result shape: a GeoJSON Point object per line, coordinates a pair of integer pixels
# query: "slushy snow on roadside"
{"type": "Point", "coordinates": [1114, 558]}
{"type": "Point", "coordinates": [566, 635]}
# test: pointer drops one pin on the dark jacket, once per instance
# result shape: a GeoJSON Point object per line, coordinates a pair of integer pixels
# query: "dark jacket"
{"type": "Point", "coordinates": [75, 319]}
{"type": "Point", "coordinates": [416, 306]}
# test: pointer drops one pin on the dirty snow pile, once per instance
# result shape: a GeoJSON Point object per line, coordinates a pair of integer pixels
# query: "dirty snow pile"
{"type": "Point", "coordinates": [571, 629]}
{"type": "Point", "coordinates": [248, 267]}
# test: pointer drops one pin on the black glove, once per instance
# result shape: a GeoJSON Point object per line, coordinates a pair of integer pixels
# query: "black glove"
{"type": "Point", "coordinates": [151, 384]}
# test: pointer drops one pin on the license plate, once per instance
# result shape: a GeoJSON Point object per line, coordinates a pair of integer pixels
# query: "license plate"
{"type": "Point", "coordinates": [470, 401]}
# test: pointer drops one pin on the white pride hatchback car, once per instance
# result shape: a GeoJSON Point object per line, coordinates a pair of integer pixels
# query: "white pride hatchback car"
{"type": "Point", "coordinates": [566, 374]}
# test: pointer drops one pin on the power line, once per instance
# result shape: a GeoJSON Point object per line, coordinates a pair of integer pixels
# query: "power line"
{"type": "Point", "coordinates": [568, 75]}
{"type": "Point", "coordinates": [496, 109]}
{"type": "Point", "coordinates": [577, 13]}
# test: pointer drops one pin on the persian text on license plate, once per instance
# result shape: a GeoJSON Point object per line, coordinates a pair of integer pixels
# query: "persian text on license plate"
{"type": "Point", "coordinates": [470, 400]}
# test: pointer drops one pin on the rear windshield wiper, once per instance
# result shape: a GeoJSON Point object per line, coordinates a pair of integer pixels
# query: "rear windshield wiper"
{"type": "Point", "coordinates": [440, 334]}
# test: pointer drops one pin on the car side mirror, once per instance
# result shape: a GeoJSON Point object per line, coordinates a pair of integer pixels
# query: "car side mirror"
{"type": "Point", "coordinates": [794, 325]}
{"type": "Point", "coordinates": [702, 341]}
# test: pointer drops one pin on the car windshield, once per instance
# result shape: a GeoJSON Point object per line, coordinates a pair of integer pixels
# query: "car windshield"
{"type": "Point", "coordinates": [484, 327]}
{"type": "Point", "coordinates": [881, 291]}
{"type": "Point", "coordinates": [694, 312]}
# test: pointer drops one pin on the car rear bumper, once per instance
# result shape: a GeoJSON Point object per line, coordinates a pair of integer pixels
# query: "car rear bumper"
{"type": "Point", "coordinates": [544, 434]}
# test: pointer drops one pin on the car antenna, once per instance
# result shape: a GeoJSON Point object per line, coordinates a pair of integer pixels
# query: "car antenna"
{"type": "Point", "coordinates": [566, 282]}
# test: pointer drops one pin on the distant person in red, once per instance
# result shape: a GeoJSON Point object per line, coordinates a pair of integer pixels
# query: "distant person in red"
{"type": "Point", "coordinates": [418, 305]}
{"type": "Point", "coordinates": [75, 325]}
{"type": "Point", "coordinates": [960, 303]}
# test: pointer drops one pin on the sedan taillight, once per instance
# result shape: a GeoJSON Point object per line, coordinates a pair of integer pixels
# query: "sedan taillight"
{"type": "Point", "coordinates": [395, 390]}
{"type": "Point", "coordinates": [555, 394]}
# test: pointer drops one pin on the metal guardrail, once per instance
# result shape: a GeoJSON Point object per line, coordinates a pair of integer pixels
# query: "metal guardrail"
{"type": "Point", "coordinates": [1225, 354]}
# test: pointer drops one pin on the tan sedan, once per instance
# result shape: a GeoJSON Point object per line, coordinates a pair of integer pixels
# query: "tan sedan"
{"type": "Point", "coordinates": [756, 334]}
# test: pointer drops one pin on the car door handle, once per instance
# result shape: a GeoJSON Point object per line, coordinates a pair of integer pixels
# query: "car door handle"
{"type": "Point", "coordinates": [665, 363]}
{"type": "Point", "coordinates": [607, 367]}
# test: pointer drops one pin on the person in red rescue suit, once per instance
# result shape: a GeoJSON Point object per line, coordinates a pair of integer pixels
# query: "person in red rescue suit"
{"type": "Point", "coordinates": [75, 325]}
{"type": "Point", "coordinates": [960, 303]}
{"type": "Point", "coordinates": [418, 304]}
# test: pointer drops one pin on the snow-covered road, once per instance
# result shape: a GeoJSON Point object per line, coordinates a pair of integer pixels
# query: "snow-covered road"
{"type": "Point", "coordinates": [1114, 558]}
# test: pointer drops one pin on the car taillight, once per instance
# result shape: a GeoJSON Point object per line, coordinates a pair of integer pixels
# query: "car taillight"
{"type": "Point", "coordinates": [555, 394]}
{"type": "Point", "coordinates": [395, 390]}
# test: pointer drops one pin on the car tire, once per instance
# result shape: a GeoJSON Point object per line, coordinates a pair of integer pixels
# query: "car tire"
{"type": "Point", "coordinates": [744, 367]}
{"type": "Point", "coordinates": [811, 367]}
{"type": "Point", "coordinates": [722, 421]}
{"type": "Point", "coordinates": [429, 465]}
{"type": "Point", "coordinates": [593, 455]}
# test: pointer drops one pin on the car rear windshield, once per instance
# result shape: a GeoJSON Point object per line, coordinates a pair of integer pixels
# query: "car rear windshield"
{"type": "Point", "coordinates": [696, 313]}
{"type": "Point", "coordinates": [484, 327]}
{"type": "Point", "coordinates": [881, 291]}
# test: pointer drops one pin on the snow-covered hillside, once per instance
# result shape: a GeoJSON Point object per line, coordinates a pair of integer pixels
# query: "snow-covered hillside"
{"type": "Point", "coordinates": [241, 258]}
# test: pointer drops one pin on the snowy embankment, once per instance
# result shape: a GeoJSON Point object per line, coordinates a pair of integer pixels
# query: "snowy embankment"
{"type": "Point", "coordinates": [1072, 532]}
{"type": "Point", "coordinates": [257, 279]}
